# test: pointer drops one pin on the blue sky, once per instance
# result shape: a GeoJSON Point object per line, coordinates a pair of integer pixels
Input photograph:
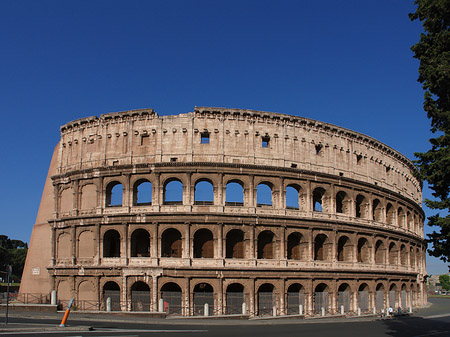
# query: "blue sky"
{"type": "Point", "coordinates": [341, 62]}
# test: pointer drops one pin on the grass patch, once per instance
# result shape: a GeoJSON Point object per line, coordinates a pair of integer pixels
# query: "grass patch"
{"type": "Point", "coordinates": [439, 296]}
{"type": "Point", "coordinates": [12, 284]}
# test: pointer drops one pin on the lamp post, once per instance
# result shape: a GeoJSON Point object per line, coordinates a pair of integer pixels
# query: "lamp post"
{"type": "Point", "coordinates": [8, 272]}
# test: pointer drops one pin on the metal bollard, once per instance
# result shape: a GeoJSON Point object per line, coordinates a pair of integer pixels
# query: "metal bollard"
{"type": "Point", "coordinates": [53, 297]}
{"type": "Point", "coordinates": [161, 305]}
{"type": "Point", "coordinates": [300, 309]}
{"type": "Point", "coordinates": [108, 304]}
{"type": "Point", "coordinates": [206, 309]}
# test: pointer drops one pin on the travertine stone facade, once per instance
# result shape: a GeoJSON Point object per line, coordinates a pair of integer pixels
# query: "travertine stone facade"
{"type": "Point", "coordinates": [225, 207]}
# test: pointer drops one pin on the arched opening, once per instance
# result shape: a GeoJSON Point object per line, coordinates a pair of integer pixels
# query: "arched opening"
{"type": "Point", "coordinates": [293, 197]}
{"type": "Point", "coordinates": [265, 245]}
{"type": "Point", "coordinates": [344, 297]}
{"type": "Point", "coordinates": [390, 214]}
{"type": "Point", "coordinates": [173, 192]}
{"type": "Point", "coordinates": [342, 203]}
{"type": "Point", "coordinates": [234, 299]}
{"type": "Point", "coordinates": [171, 243]}
{"type": "Point", "coordinates": [377, 212]}
{"type": "Point", "coordinates": [363, 251]}
{"type": "Point", "coordinates": [318, 199]}
{"type": "Point", "coordinates": [412, 258]}
{"type": "Point", "coordinates": [321, 248]}
{"type": "Point", "coordinates": [111, 243]}
{"type": "Point", "coordinates": [404, 297]}
{"type": "Point", "coordinates": [114, 194]}
{"type": "Point", "coordinates": [401, 218]}
{"type": "Point", "coordinates": [203, 244]}
{"type": "Point", "coordinates": [393, 296]}
{"type": "Point", "coordinates": [112, 290]}
{"type": "Point", "coordinates": [140, 243]}
{"type": "Point", "coordinates": [380, 252]}
{"type": "Point", "coordinates": [235, 244]}
{"type": "Point", "coordinates": [363, 297]}
{"type": "Point", "coordinates": [265, 300]}
{"type": "Point", "coordinates": [321, 298]}
{"type": "Point", "coordinates": [234, 194]}
{"type": "Point", "coordinates": [142, 192]}
{"type": "Point", "coordinates": [264, 195]}
{"type": "Point", "coordinates": [171, 296]}
{"type": "Point", "coordinates": [403, 255]}
{"type": "Point", "coordinates": [361, 207]}
{"type": "Point", "coordinates": [140, 296]}
{"type": "Point", "coordinates": [204, 193]}
{"type": "Point", "coordinates": [345, 249]}
{"type": "Point", "coordinates": [393, 254]}
{"type": "Point", "coordinates": [296, 248]}
{"type": "Point", "coordinates": [379, 297]}
{"type": "Point", "coordinates": [203, 293]}
{"type": "Point", "coordinates": [410, 223]}
{"type": "Point", "coordinates": [295, 299]}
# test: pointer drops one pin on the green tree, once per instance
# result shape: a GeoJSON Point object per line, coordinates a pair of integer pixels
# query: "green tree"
{"type": "Point", "coordinates": [13, 252]}
{"type": "Point", "coordinates": [433, 53]}
{"type": "Point", "coordinates": [444, 280]}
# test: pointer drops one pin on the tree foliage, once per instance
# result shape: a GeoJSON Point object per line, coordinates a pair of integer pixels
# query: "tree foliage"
{"type": "Point", "coordinates": [433, 53]}
{"type": "Point", "coordinates": [444, 280]}
{"type": "Point", "coordinates": [12, 252]}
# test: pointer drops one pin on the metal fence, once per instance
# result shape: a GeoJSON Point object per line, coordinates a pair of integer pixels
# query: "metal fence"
{"type": "Point", "coordinates": [320, 300]}
{"type": "Point", "coordinates": [265, 303]}
{"type": "Point", "coordinates": [172, 302]}
{"type": "Point", "coordinates": [392, 298]}
{"type": "Point", "coordinates": [363, 301]}
{"type": "Point", "coordinates": [199, 303]}
{"type": "Point", "coordinates": [344, 300]}
{"type": "Point", "coordinates": [140, 300]}
{"type": "Point", "coordinates": [294, 300]}
{"type": "Point", "coordinates": [234, 303]}
{"type": "Point", "coordinates": [379, 300]}
{"type": "Point", "coordinates": [32, 298]}
{"type": "Point", "coordinates": [404, 303]}
{"type": "Point", "coordinates": [115, 299]}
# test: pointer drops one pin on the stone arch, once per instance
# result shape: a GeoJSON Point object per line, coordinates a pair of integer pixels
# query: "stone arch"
{"type": "Point", "coordinates": [377, 211]}
{"type": "Point", "coordinates": [363, 250]}
{"type": "Point", "coordinates": [171, 243]}
{"type": "Point", "coordinates": [344, 249]}
{"type": "Point", "coordinates": [390, 214]}
{"type": "Point", "coordinates": [380, 252]}
{"type": "Point", "coordinates": [64, 291]}
{"type": "Point", "coordinates": [171, 294]}
{"type": "Point", "coordinates": [292, 196]}
{"type": "Point", "coordinates": [393, 295]}
{"type": "Point", "coordinates": [361, 207]}
{"type": "Point", "coordinates": [363, 297]}
{"type": "Point", "coordinates": [401, 217]}
{"type": "Point", "coordinates": [140, 296]}
{"type": "Point", "coordinates": [266, 299]}
{"type": "Point", "coordinates": [87, 296]}
{"type": "Point", "coordinates": [114, 194]}
{"type": "Point", "coordinates": [203, 244]}
{"type": "Point", "coordinates": [266, 245]}
{"type": "Point", "coordinates": [344, 297]}
{"type": "Point", "coordinates": [321, 247]}
{"type": "Point", "coordinates": [234, 297]}
{"type": "Point", "coordinates": [412, 258]}
{"type": "Point", "coordinates": [64, 247]}
{"type": "Point", "coordinates": [342, 203]}
{"type": "Point", "coordinates": [66, 200]}
{"type": "Point", "coordinates": [319, 199]}
{"type": "Point", "coordinates": [140, 243]}
{"type": "Point", "coordinates": [379, 297]}
{"type": "Point", "coordinates": [235, 244]}
{"type": "Point", "coordinates": [234, 193]}
{"type": "Point", "coordinates": [204, 192]}
{"type": "Point", "coordinates": [393, 254]}
{"type": "Point", "coordinates": [173, 192]}
{"type": "Point", "coordinates": [112, 290]}
{"type": "Point", "coordinates": [142, 192]}
{"type": "Point", "coordinates": [296, 247]}
{"type": "Point", "coordinates": [264, 194]}
{"type": "Point", "coordinates": [203, 293]}
{"type": "Point", "coordinates": [321, 298]}
{"type": "Point", "coordinates": [88, 197]}
{"type": "Point", "coordinates": [111, 243]}
{"type": "Point", "coordinates": [86, 245]}
{"type": "Point", "coordinates": [403, 255]}
{"type": "Point", "coordinates": [295, 297]}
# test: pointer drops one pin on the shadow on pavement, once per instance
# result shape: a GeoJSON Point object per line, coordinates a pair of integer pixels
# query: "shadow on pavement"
{"type": "Point", "coordinates": [416, 327]}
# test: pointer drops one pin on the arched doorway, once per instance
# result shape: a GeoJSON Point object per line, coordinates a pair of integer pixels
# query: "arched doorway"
{"type": "Point", "coordinates": [234, 299]}
{"type": "Point", "coordinates": [203, 293]}
{"type": "Point", "coordinates": [344, 294]}
{"type": "Point", "coordinates": [112, 290]}
{"type": "Point", "coordinates": [265, 300]}
{"type": "Point", "coordinates": [363, 298]}
{"type": "Point", "coordinates": [171, 296]}
{"type": "Point", "coordinates": [321, 298]}
{"type": "Point", "coordinates": [140, 296]}
{"type": "Point", "coordinates": [379, 298]}
{"type": "Point", "coordinates": [295, 299]}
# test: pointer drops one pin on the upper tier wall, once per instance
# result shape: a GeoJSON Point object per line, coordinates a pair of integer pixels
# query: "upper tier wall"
{"type": "Point", "coordinates": [235, 136]}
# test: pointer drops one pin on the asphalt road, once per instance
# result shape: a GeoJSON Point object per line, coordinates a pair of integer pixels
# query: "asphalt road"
{"type": "Point", "coordinates": [433, 321]}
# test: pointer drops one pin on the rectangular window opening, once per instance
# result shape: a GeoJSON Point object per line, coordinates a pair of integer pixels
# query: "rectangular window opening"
{"type": "Point", "coordinates": [265, 141]}
{"type": "Point", "coordinates": [204, 138]}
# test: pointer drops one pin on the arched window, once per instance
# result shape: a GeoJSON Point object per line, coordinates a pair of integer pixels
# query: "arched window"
{"type": "Point", "coordinates": [342, 203]}
{"type": "Point", "coordinates": [363, 297]}
{"type": "Point", "coordinates": [265, 299]}
{"type": "Point", "coordinates": [361, 206]}
{"type": "Point", "coordinates": [203, 293]}
{"type": "Point", "coordinates": [410, 223]}
{"type": "Point", "coordinates": [345, 248]}
{"type": "Point", "coordinates": [363, 251]}
{"type": "Point", "coordinates": [171, 244]}
{"type": "Point", "coordinates": [203, 244]}
{"type": "Point", "coordinates": [140, 296]}
{"type": "Point", "coordinates": [379, 298]}
{"type": "Point", "coordinates": [321, 248]}
{"type": "Point", "coordinates": [401, 217]}
{"type": "Point", "coordinates": [344, 297]}
{"type": "Point", "coordinates": [321, 298]}
{"type": "Point", "coordinates": [380, 252]}
{"type": "Point", "coordinates": [140, 243]}
{"type": "Point", "coordinates": [114, 194]}
{"type": "Point", "coordinates": [293, 197]}
{"type": "Point", "coordinates": [377, 211]}
{"type": "Point", "coordinates": [265, 245]}
{"type": "Point", "coordinates": [318, 205]}
{"type": "Point", "coordinates": [234, 194]}
{"type": "Point", "coordinates": [171, 295]}
{"type": "Point", "coordinates": [403, 256]}
{"type": "Point", "coordinates": [235, 244]}
{"type": "Point", "coordinates": [390, 214]}
{"type": "Point", "coordinates": [234, 299]}
{"type": "Point", "coordinates": [264, 195]}
{"type": "Point", "coordinates": [111, 243]}
{"type": "Point", "coordinates": [142, 192]}
{"type": "Point", "coordinates": [204, 193]}
{"type": "Point", "coordinates": [295, 298]}
{"type": "Point", "coordinates": [393, 296]}
{"type": "Point", "coordinates": [173, 192]}
{"type": "Point", "coordinates": [412, 258]}
{"type": "Point", "coordinates": [112, 290]}
{"type": "Point", "coordinates": [295, 247]}
{"type": "Point", "coordinates": [393, 254]}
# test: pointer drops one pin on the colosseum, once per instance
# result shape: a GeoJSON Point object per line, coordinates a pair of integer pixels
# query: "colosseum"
{"type": "Point", "coordinates": [227, 212]}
